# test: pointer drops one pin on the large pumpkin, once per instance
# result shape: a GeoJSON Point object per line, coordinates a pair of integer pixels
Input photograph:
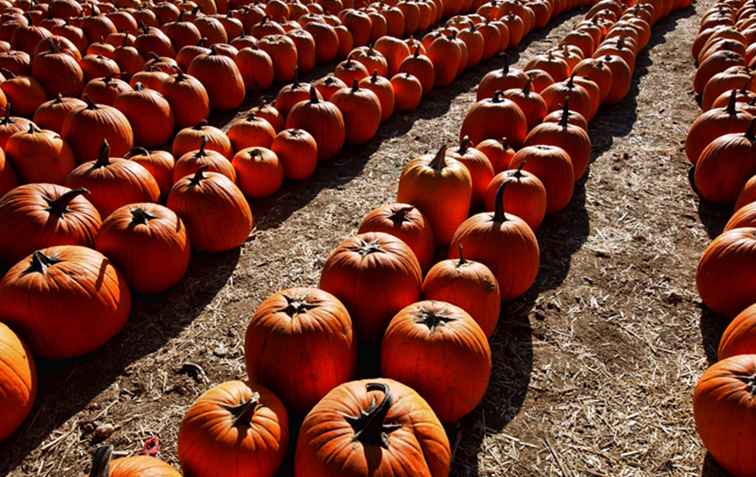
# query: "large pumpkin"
{"type": "Point", "coordinates": [134, 466]}
{"type": "Point", "coordinates": [36, 216]}
{"type": "Point", "coordinates": [238, 427]}
{"type": "Point", "coordinates": [40, 155]}
{"type": "Point", "coordinates": [221, 78]}
{"type": "Point", "coordinates": [374, 275]}
{"type": "Point", "coordinates": [724, 407]}
{"type": "Point", "coordinates": [504, 243]}
{"type": "Point", "coordinates": [469, 285]}
{"type": "Point", "coordinates": [18, 381]}
{"type": "Point", "coordinates": [725, 165]}
{"type": "Point", "coordinates": [361, 110]}
{"type": "Point", "coordinates": [725, 276]}
{"type": "Point", "coordinates": [149, 244]}
{"type": "Point", "coordinates": [429, 341]}
{"type": "Point", "coordinates": [86, 129]}
{"type": "Point", "coordinates": [208, 202]}
{"type": "Point", "coordinates": [300, 344]}
{"type": "Point", "coordinates": [114, 181]}
{"type": "Point", "coordinates": [370, 428]}
{"type": "Point", "coordinates": [55, 293]}
{"type": "Point", "coordinates": [323, 120]}
{"type": "Point", "coordinates": [441, 188]}
{"type": "Point", "coordinates": [494, 118]}
{"type": "Point", "coordinates": [477, 164]}
{"type": "Point", "coordinates": [149, 113]}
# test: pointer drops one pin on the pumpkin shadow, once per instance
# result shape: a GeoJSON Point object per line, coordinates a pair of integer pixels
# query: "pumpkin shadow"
{"type": "Point", "coordinates": [66, 387]}
{"type": "Point", "coordinates": [713, 217]}
{"type": "Point", "coordinates": [712, 327]}
{"type": "Point", "coordinates": [711, 468]}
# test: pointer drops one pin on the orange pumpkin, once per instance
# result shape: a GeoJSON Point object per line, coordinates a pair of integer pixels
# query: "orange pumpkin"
{"type": "Point", "coordinates": [159, 164]}
{"type": "Point", "coordinates": [724, 167]}
{"type": "Point", "coordinates": [259, 172]}
{"type": "Point", "coordinates": [213, 161]}
{"type": "Point", "coordinates": [103, 466]}
{"type": "Point", "coordinates": [86, 129]}
{"type": "Point", "coordinates": [361, 110]}
{"type": "Point", "coordinates": [298, 153]}
{"type": "Point", "coordinates": [188, 99]}
{"type": "Point", "coordinates": [323, 120]}
{"type": "Point", "coordinates": [40, 155]}
{"type": "Point", "coordinates": [383, 90]}
{"type": "Point", "coordinates": [18, 381]}
{"type": "Point", "coordinates": [495, 117]}
{"type": "Point", "coordinates": [526, 195]}
{"type": "Point", "coordinates": [190, 139]}
{"type": "Point", "coordinates": [570, 138]}
{"type": "Point", "coordinates": [740, 335]}
{"type": "Point", "coordinates": [149, 113]}
{"type": "Point", "coordinates": [408, 92]}
{"type": "Point", "coordinates": [51, 114]}
{"type": "Point", "coordinates": [250, 131]}
{"type": "Point", "coordinates": [105, 90]}
{"type": "Point", "coordinates": [221, 78]}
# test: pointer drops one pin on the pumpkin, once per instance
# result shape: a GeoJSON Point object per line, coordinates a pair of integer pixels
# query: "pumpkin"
{"type": "Point", "coordinates": [190, 139]}
{"type": "Point", "coordinates": [714, 123]}
{"type": "Point", "coordinates": [428, 341]}
{"type": "Point", "coordinates": [159, 164]}
{"type": "Point", "coordinates": [504, 243]}
{"type": "Point", "coordinates": [290, 95]}
{"type": "Point", "coordinates": [446, 57]}
{"type": "Point", "coordinates": [18, 381]}
{"type": "Point", "coordinates": [51, 114]}
{"type": "Point", "coordinates": [105, 90]}
{"type": "Point", "coordinates": [724, 282]}
{"type": "Point", "coordinates": [498, 151]}
{"type": "Point", "coordinates": [408, 92]}
{"type": "Point", "coordinates": [723, 410]}
{"type": "Point", "coordinates": [221, 78]}
{"type": "Point", "coordinates": [570, 138]}
{"type": "Point", "coordinates": [244, 428]}
{"type": "Point", "coordinates": [422, 68]}
{"type": "Point", "coordinates": [553, 166]}
{"type": "Point", "coordinates": [539, 80]}
{"type": "Point", "coordinates": [406, 223]}
{"type": "Point", "coordinates": [8, 178]}
{"type": "Point", "coordinates": [383, 90]}
{"type": "Point", "coordinates": [477, 164]}
{"type": "Point", "coordinates": [441, 188]}
{"type": "Point", "coordinates": [208, 202]}
{"type": "Point", "coordinates": [97, 66]}
{"type": "Point", "coordinates": [24, 92]}
{"type": "Point", "coordinates": [17, 62]}
{"type": "Point", "coordinates": [349, 71]}
{"type": "Point", "coordinates": [579, 99]}
{"type": "Point", "coordinates": [40, 155]}
{"type": "Point", "coordinates": [568, 116]}
{"type": "Point", "coordinates": [526, 195]}
{"type": "Point", "coordinates": [361, 110]}
{"type": "Point", "coordinates": [374, 275]}
{"type": "Point", "coordinates": [148, 243]}
{"type": "Point", "coordinates": [256, 68]}
{"type": "Point", "coordinates": [394, 50]}
{"type": "Point", "coordinates": [149, 113]}
{"type": "Point", "coordinates": [469, 285]}
{"type": "Point", "coordinates": [597, 71]}
{"type": "Point", "coordinates": [58, 71]}
{"type": "Point", "coordinates": [328, 85]}
{"type": "Point", "coordinates": [720, 83]}
{"type": "Point", "coordinates": [326, 41]}
{"type": "Point", "coordinates": [313, 322]}
{"type": "Point", "coordinates": [622, 77]}
{"type": "Point", "coordinates": [283, 53]}
{"type": "Point", "coordinates": [188, 99]}
{"type": "Point", "coordinates": [203, 157]}
{"type": "Point", "coordinates": [250, 131]}
{"type": "Point", "coordinates": [531, 104]}
{"type": "Point", "coordinates": [747, 194]}
{"type": "Point", "coordinates": [86, 129]}
{"type": "Point", "coordinates": [372, 427]}
{"type": "Point", "coordinates": [43, 215]}
{"type": "Point", "coordinates": [495, 117]}
{"type": "Point", "coordinates": [739, 336]}
{"type": "Point", "coordinates": [724, 167]}
{"type": "Point", "coordinates": [103, 466]}
{"type": "Point", "coordinates": [554, 65]}
{"type": "Point", "coordinates": [323, 120]}
{"type": "Point", "coordinates": [260, 173]}
{"type": "Point", "coordinates": [297, 152]}
{"type": "Point", "coordinates": [371, 59]}
{"type": "Point", "coordinates": [54, 293]}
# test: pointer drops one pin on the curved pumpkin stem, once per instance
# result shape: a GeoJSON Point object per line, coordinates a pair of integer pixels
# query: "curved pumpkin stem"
{"type": "Point", "coordinates": [199, 176]}
{"type": "Point", "coordinates": [40, 262]}
{"type": "Point", "coordinates": [33, 129]}
{"type": "Point", "coordinates": [464, 144]}
{"type": "Point", "coordinates": [90, 104]}
{"type": "Point", "coordinates": [370, 427]}
{"type": "Point", "coordinates": [439, 162]}
{"type": "Point", "coordinates": [731, 103]}
{"type": "Point", "coordinates": [355, 86]}
{"type": "Point", "coordinates": [500, 214]}
{"type": "Point", "coordinates": [399, 216]}
{"type": "Point", "coordinates": [564, 121]}
{"type": "Point", "coordinates": [313, 95]}
{"type": "Point", "coordinates": [461, 251]}
{"type": "Point", "coordinates": [103, 156]}
{"type": "Point", "coordinates": [101, 462]}
{"type": "Point", "coordinates": [527, 86]}
{"type": "Point", "coordinates": [139, 216]}
{"type": "Point", "coordinates": [242, 413]}
{"type": "Point", "coordinates": [137, 151]}
{"type": "Point", "coordinates": [374, 77]}
{"type": "Point", "coordinates": [59, 206]}
{"type": "Point", "coordinates": [203, 142]}
{"type": "Point", "coordinates": [417, 51]}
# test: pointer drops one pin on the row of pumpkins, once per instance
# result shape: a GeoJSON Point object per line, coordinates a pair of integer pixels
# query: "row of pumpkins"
{"type": "Point", "coordinates": [369, 293]}
{"type": "Point", "coordinates": [62, 259]}
{"type": "Point", "coordinates": [721, 145]}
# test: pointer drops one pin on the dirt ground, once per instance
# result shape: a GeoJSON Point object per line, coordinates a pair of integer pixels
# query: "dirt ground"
{"type": "Point", "coordinates": [593, 369]}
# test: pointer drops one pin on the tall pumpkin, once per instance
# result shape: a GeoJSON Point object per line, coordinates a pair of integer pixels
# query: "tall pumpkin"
{"type": "Point", "coordinates": [429, 341]}
{"type": "Point", "coordinates": [53, 294]}
{"type": "Point", "coordinates": [374, 275]}
{"type": "Point", "coordinates": [323, 120]}
{"type": "Point", "coordinates": [239, 427]}
{"type": "Point", "coordinates": [300, 344]}
{"type": "Point", "coordinates": [372, 427]}
{"type": "Point", "coordinates": [441, 187]}
{"type": "Point", "coordinates": [149, 114]}
{"type": "Point", "coordinates": [86, 129]}
{"type": "Point", "coordinates": [361, 109]}
{"type": "Point", "coordinates": [18, 382]}
{"type": "Point", "coordinates": [36, 216]}
{"type": "Point", "coordinates": [221, 78]}
{"type": "Point", "coordinates": [149, 244]}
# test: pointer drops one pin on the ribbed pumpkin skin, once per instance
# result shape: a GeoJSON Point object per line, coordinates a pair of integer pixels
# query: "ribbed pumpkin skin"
{"type": "Point", "coordinates": [725, 412]}
{"type": "Point", "coordinates": [740, 335]}
{"type": "Point", "coordinates": [40, 155]}
{"type": "Point", "coordinates": [743, 217]}
{"type": "Point", "coordinates": [51, 307]}
{"type": "Point", "coordinates": [209, 439]}
{"type": "Point", "coordinates": [28, 225]}
{"type": "Point", "coordinates": [149, 114]}
{"type": "Point", "coordinates": [525, 197]}
{"type": "Point", "coordinates": [469, 285]}
{"type": "Point", "coordinates": [85, 129]}
{"type": "Point", "coordinates": [747, 194]}
{"type": "Point", "coordinates": [326, 445]}
{"type": "Point", "coordinates": [222, 80]}
{"type": "Point", "coordinates": [711, 125]}
{"type": "Point", "coordinates": [152, 250]}
{"type": "Point", "coordinates": [324, 121]}
{"type": "Point", "coordinates": [429, 341]}
{"type": "Point", "coordinates": [494, 118]}
{"type": "Point", "coordinates": [18, 381]}
{"type": "Point", "coordinates": [8, 178]}
{"type": "Point", "coordinates": [724, 167]}
{"type": "Point", "coordinates": [374, 275]}
{"type": "Point", "coordinates": [288, 330]}
{"type": "Point", "coordinates": [441, 188]}
{"type": "Point", "coordinates": [406, 223]}
{"type": "Point", "coordinates": [208, 205]}
{"type": "Point", "coordinates": [553, 166]}
{"type": "Point", "coordinates": [725, 278]}
{"type": "Point", "coordinates": [141, 466]}
{"type": "Point", "coordinates": [571, 138]}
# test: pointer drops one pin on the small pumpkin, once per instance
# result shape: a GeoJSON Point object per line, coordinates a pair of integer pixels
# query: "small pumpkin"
{"type": "Point", "coordinates": [383, 90]}
{"type": "Point", "coordinates": [191, 138]}
{"type": "Point", "coordinates": [214, 161]}
{"type": "Point", "coordinates": [495, 117]}
{"type": "Point", "coordinates": [570, 138]}
{"type": "Point", "coordinates": [51, 114]}
{"type": "Point", "coordinates": [18, 381]}
{"type": "Point", "coordinates": [422, 68]}
{"type": "Point", "coordinates": [298, 153]}
{"type": "Point", "coordinates": [408, 92]}
{"type": "Point", "coordinates": [290, 95]}
{"type": "Point", "coordinates": [259, 171]}
{"type": "Point", "coordinates": [526, 195]}
{"type": "Point", "coordinates": [477, 164]}
{"type": "Point", "coordinates": [250, 131]}
{"type": "Point", "coordinates": [105, 90]}
{"type": "Point", "coordinates": [159, 164]}
{"type": "Point", "coordinates": [553, 166]}
{"type": "Point", "coordinates": [498, 151]}
{"type": "Point", "coordinates": [54, 293]}
{"type": "Point", "coordinates": [501, 79]}
{"type": "Point", "coordinates": [188, 99]}
{"type": "Point", "coordinates": [428, 341]}
{"type": "Point", "coordinates": [256, 68]}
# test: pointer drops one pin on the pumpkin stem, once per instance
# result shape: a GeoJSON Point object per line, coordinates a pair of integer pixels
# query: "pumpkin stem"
{"type": "Point", "coordinates": [101, 462]}
{"type": "Point", "coordinates": [242, 413]}
{"type": "Point", "coordinates": [40, 262]}
{"type": "Point", "coordinates": [203, 142]}
{"type": "Point", "coordinates": [731, 103]}
{"type": "Point", "coordinates": [59, 206]}
{"type": "Point", "coordinates": [33, 128]}
{"type": "Point", "coordinates": [439, 162]}
{"type": "Point", "coordinates": [399, 216]}
{"type": "Point", "coordinates": [526, 88]}
{"type": "Point", "coordinates": [90, 104]}
{"type": "Point", "coordinates": [432, 319]}
{"type": "Point", "coordinates": [7, 73]}
{"type": "Point", "coordinates": [462, 260]}
{"type": "Point", "coordinates": [417, 51]}
{"type": "Point", "coordinates": [139, 216]}
{"type": "Point", "coordinates": [749, 134]}
{"type": "Point", "coordinates": [313, 95]}
{"type": "Point", "coordinates": [464, 145]}
{"type": "Point", "coordinates": [138, 86]}
{"type": "Point", "coordinates": [370, 427]}
{"type": "Point", "coordinates": [137, 151]}
{"type": "Point", "coordinates": [499, 214]}
{"type": "Point", "coordinates": [505, 67]}
{"type": "Point", "coordinates": [565, 119]}
{"type": "Point", "coordinates": [200, 125]}
{"type": "Point", "coordinates": [297, 306]}
{"type": "Point", "coordinates": [497, 97]}
{"type": "Point", "coordinates": [355, 86]}
{"type": "Point", "coordinates": [374, 77]}
{"type": "Point", "coordinates": [199, 176]}
{"type": "Point", "coordinates": [518, 172]}
{"type": "Point", "coordinates": [103, 156]}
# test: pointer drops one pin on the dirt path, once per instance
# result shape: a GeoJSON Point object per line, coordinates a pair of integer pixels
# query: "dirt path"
{"type": "Point", "coordinates": [593, 369]}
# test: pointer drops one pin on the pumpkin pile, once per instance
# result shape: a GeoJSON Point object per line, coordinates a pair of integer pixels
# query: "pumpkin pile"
{"type": "Point", "coordinates": [721, 145]}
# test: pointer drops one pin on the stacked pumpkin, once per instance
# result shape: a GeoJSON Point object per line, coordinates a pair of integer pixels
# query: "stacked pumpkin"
{"type": "Point", "coordinates": [382, 290]}
{"type": "Point", "coordinates": [720, 145]}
